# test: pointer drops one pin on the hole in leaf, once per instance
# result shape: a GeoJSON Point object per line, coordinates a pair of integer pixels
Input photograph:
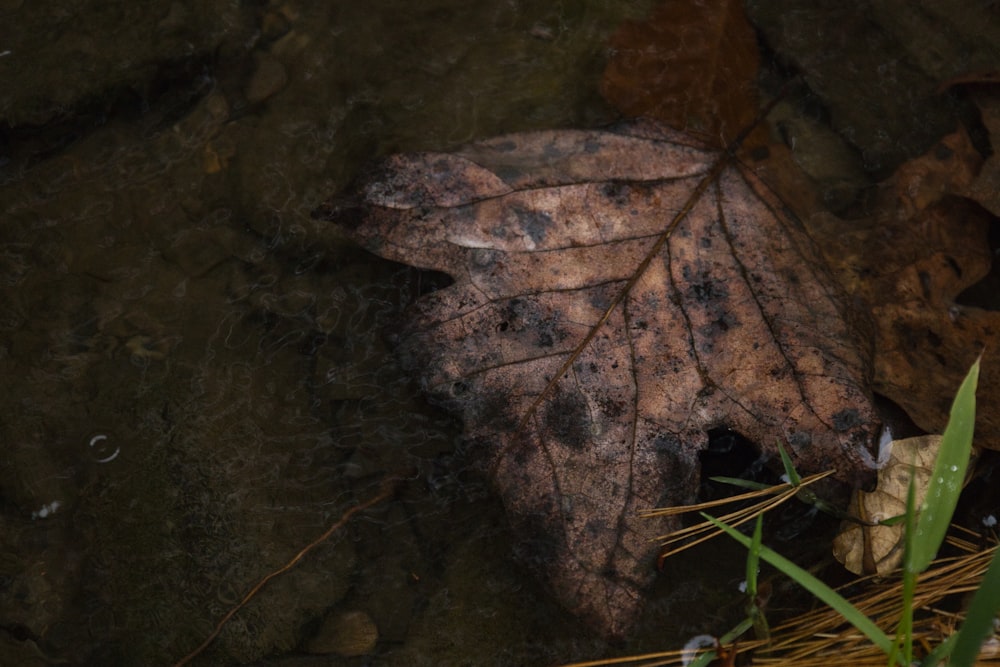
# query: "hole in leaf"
{"type": "Point", "coordinates": [426, 281]}
{"type": "Point", "coordinates": [895, 419]}
{"type": "Point", "coordinates": [730, 454]}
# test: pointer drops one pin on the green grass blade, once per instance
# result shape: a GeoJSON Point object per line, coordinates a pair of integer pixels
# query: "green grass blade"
{"type": "Point", "coordinates": [826, 594]}
{"type": "Point", "coordinates": [703, 659]}
{"type": "Point", "coordinates": [753, 557]}
{"type": "Point", "coordinates": [979, 618]}
{"type": "Point", "coordinates": [940, 653]}
{"type": "Point", "coordinates": [949, 475]}
{"type": "Point", "coordinates": [904, 632]}
{"type": "Point", "coordinates": [742, 483]}
{"type": "Point", "coordinates": [738, 631]}
{"type": "Point", "coordinates": [754, 611]}
{"type": "Point", "coordinates": [790, 471]}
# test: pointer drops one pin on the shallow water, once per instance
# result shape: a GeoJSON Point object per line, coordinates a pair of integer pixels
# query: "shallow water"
{"type": "Point", "coordinates": [197, 383]}
{"type": "Point", "coordinates": [196, 380]}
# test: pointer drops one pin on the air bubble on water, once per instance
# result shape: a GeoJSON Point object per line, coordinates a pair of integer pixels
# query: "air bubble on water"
{"type": "Point", "coordinates": [101, 449]}
{"type": "Point", "coordinates": [46, 510]}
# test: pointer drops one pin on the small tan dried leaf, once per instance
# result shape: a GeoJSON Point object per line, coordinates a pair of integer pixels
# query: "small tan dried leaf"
{"type": "Point", "coordinates": [861, 548]}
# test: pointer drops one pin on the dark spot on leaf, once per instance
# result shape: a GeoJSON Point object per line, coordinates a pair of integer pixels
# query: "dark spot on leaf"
{"type": "Point", "coordinates": [800, 439]}
{"type": "Point", "coordinates": [722, 324]}
{"type": "Point", "coordinates": [538, 546]}
{"type": "Point", "coordinates": [521, 315]}
{"type": "Point", "coordinates": [568, 419]}
{"type": "Point", "coordinates": [707, 291]}
{"type": "Point", "coordinates": [613, 409]}
{"type": "Point", "coordinates": [846, 419]}
{"type": "Point", "coordinates": [616, 192]}
{"type": "Point", "coordinates": [665, 443]}
{"type": "Point", "coordinates": [535, 224]}
{"type": "Point", "coordinates": [553, 152]}
{"type": "Point", "coordinates": [509, 174]}
{"type": "Point", "coordinates": [491, 409]}
{"type": "Point", "coordinates": [594, 528]}
{"type": "Point", "coordinates": [702, 288]}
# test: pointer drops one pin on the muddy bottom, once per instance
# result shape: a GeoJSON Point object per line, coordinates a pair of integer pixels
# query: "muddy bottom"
{"type": "Point", "coordinates": [196, 380]}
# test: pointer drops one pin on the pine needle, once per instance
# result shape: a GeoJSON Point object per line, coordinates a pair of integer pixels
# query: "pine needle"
{"type": "Point", "coordinates": [701, 532]}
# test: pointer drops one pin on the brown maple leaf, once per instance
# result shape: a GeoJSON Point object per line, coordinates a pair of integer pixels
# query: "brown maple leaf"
{"type": "Point", "coordinates": [734, 323]}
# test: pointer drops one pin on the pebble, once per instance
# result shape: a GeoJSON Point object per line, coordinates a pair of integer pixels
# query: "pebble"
{"type": "Point", "coordinates": [348, 634]}
{"type": "Point", "coordinates": [268, 78]}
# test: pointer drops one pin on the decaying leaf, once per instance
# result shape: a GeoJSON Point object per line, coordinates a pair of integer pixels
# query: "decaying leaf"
{"type": "Point", "coordinates": [907, 265]}
{"type": "Point", "coordinates": [691, 64]}
{"type": "Point", "coordinates": [879, 549]}
{"type": "Point", "coordinates": [735, 324]}
{"type": "Point", "coordinates": [985, 189]}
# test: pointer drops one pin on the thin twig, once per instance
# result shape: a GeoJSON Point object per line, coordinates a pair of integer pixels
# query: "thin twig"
{"type": "Point", "coordinates": [387, 489]}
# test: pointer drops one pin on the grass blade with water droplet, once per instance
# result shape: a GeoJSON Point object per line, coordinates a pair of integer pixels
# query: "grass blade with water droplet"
{"type": "Point", "coordinates": [948, 477]}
